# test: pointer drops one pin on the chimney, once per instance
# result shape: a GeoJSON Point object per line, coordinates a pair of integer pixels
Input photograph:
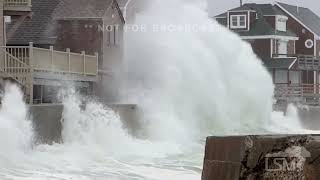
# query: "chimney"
{"type": "Point", "coordinates": [240, 3]}
{"type": "Point", "coordinates": [298, 7]}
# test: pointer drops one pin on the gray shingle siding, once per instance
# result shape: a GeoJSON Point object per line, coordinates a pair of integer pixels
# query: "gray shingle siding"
{"type": "Point", "coordinates": [41, 27]}
{"type": "Point", "coordinates": [38, 28]}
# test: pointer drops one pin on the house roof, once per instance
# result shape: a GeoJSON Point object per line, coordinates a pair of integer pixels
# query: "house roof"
{"type": "Point", "coordinates": [41, 27]}
{"type": "Point", "coordinates": [305, 16]}
{"type": "Point", "coordinates": [221, 15]}
{"type": "Point", "coordinates": [241, 8]}
{"type": "Point", "coordinates": [122, 3]}
{"type": "Point", "coordinates": [260, 27]}
{"type": "Point", "coordinates": [82, 8]}
{"type": "Point", "coordinates": [279, 63]}
{"type": "Point", "coordinates": [265, 9]}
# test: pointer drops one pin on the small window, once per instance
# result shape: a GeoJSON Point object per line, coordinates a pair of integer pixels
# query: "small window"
{"type": "Point", "coordinates": [281, 23]}
{"type": "Point", "coordinates": [242, 21]}
{"type": "Point", "coordinates": [238, 21]}
{"type": "Point", "coordinates": [234, 21]}
{"type": "Point", "coordinates": [281, 76]}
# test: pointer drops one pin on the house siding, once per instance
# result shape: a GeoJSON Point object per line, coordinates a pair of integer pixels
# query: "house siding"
{"type": "Point", "coordinates": [252, 17]}
{"type": "Point", "coordinates": [275, 46]}
{"type": "Point", "coordinates": [318, 48]}
{"type": "Point", "coordinates": [291, 47]}
{"type": "Point", "coordinates": [271, 20]}
{"type": "Point", "coordinates": [79, 35]}
{"type": "Point", "coordinates": [261, 47]}
{"type": "Point", "coordinates": [297, 28]}
{"type": "Point", "coordinates": [239, 13]}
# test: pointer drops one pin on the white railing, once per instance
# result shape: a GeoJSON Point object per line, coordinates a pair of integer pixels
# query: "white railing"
{"type": "Point", "coordinates": [49, 60]}
{"type": "Point", "coordinates": [17, 2]}
{"type": "Point", "coordinates": [20, 62]}
{"type": "Point", "coordinates": [18, 58]}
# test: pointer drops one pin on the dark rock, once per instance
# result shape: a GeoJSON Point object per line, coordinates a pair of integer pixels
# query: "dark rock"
{"type": "Point", "coordinates": [262, 157]}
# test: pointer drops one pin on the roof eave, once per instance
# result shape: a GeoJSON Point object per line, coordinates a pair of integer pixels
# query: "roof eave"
{"type": "Point", "coordinates": [294, 17]}
{"type": "Point", "coordinates": [270, 37]}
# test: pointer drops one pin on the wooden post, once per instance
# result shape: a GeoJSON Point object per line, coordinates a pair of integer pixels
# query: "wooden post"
{"type": "Point", "coordinates": [51, 55]}
{"type": "Point", "coordinates": [31, 72]}
{"type": "Point", "coordinates": [317, 82]}
{"type": "Point", "coordinates": [69, 63]}
{"type": "Point", "coordinates": [84, 61]}
{"type": "Point", "coordinates": [97, 62]}
{"type": "Point", "coordinates": [2, 52]}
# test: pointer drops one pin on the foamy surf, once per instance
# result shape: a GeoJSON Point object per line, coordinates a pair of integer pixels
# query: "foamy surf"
{"type": "Point", "coordinates": [188, 85]}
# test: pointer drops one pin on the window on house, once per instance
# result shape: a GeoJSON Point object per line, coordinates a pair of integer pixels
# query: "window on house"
{"type": "Point", "coordinates": [281, 76]}
{"type": "Point", "coordinates": [238, 21]}
{"type": "Point", "coordinates": [281, 23]}
{"type": "Point", "coordinates": [282, 47]}
{"type": "Point", "coordinates": [112, 35]}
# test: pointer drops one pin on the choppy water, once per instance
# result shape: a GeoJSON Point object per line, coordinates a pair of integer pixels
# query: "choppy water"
{"type": "Point", "coordinates": [188, 85]}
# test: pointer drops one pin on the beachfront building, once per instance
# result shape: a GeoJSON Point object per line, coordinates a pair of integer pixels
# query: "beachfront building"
{"type": "Point", "coordinates": [47, 44]}
{"type": "Point", "coordinates": [286, 39]}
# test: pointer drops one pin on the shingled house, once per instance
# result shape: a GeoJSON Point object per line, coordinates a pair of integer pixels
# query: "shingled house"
{"type": "Point", "coordinates": [286, 38]}
{"type": "Point", "coordinates": [60, 32]}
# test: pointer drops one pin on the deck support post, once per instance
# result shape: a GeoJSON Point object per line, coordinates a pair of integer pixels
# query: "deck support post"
{"type": "Point", "coordinates": [30, 84]}
{"type": "Point", "coordinates": [69, 63]}
{"type": "Point", "coordinates": [84, 61]}
{"type": "Point", "coordinates": [51, 56]}
{"type": "Point", "coordinates": [97, 63]}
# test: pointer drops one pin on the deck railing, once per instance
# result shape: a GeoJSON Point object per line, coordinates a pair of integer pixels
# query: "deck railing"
{"type": "Point", "coordinates": [306, 94]}
{"type": "Point", "coordinates": [297, 90]}
{"type": "Point", "coordinates": [304, 62]}
{"type": "Point", "coordinates": [49, 60]}
{"type": "Point", "coordinates": [21, 62]}
{"type": "Point", "coordinates": [17, 5]}
{"type": "Point", "coordinates": [17, 2]}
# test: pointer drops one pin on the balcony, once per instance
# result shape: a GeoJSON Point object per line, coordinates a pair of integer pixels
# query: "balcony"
{"type": "Point", "coordinates": [304, 62]}
{"type": "Point", "coordinates": [17, 5]}
{"type": "Point", "coordinates": [29, 66]}
{"type": "Point", "coordinates": [303, 94]}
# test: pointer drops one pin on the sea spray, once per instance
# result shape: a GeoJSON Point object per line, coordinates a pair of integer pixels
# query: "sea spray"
{"type": "Point", "coordinates": [16, 133]}
{"type": "Point", "coordinates": [188, 85]}
{"type": "Point", "coordinates": [194, 81]}
{"type": "Point", "coordinates": [93, 125]}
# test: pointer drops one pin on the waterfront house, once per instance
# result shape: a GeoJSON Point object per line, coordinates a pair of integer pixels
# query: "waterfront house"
{"type": "Point", "coordinates": [286, 38]}
{"type": "Point", "coordinates": [49, 43]}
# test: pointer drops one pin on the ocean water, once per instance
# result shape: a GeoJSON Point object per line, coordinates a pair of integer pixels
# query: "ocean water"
{"type": "Point", "coordinates": [188, 84]}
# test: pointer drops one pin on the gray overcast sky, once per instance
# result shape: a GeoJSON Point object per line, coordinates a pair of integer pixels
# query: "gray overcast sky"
{"type": "Point", "coordinates": [219, 6]}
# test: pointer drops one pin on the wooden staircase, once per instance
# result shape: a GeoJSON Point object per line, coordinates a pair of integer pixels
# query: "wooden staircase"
{"type": "Point", "coordinates": [15, 66]}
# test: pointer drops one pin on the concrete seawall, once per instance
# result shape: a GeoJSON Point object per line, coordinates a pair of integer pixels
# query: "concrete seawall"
{"type": "Point", "coordinates": [47, 120]}
{"type": "Point", "coordinates": [262, 157]}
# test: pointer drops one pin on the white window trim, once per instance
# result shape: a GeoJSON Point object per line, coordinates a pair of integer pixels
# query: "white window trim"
{"type": "Point", "coordinates": [238, 21]}
{"type": "Point", "coordinates": [285, 18]}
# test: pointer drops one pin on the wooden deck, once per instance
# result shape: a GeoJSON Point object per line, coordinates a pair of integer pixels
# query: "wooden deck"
{"type": "Point", "coordinates": [17, 5]}
{"type": "Point", "coordinates": [304, 94]}
{"type": "Point", "coordinates": [23, 64]}
{"type": "Point", "coordinates": [304, 62]}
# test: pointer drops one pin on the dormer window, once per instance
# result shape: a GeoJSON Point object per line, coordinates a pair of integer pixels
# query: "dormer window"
{"type": "Point", "coordinates": [281, 23]}
{"type": "Point", "coordinates": [238, 21]}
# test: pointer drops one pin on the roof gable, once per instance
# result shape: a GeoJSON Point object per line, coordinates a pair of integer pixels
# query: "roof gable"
{"type": "Point", "coordinates": [41, 28]}
{"type": "Point", "coordinates": [304, 16]}
{"type": "Point", "coordinates": [264, 9]}
{"type": "Point", "coordinates": [259, 27]}
{"type": "Point", "coordinates": [82, 8]}
{"type": "Point", "coordinates": [38, 28]}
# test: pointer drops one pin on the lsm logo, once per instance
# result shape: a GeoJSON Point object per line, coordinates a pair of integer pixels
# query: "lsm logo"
{"type": "Point", "coordinates": [291, 160]}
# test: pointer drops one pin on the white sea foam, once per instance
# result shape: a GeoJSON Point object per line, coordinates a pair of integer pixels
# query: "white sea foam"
{"type": "Point", "coordinates": [187, 85]}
